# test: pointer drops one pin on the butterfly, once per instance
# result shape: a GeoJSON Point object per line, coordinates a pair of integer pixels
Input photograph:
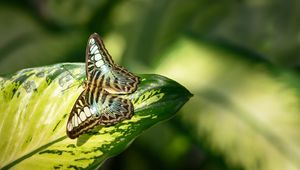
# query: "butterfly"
{"type": "Point", "coordinates": [101, 102]}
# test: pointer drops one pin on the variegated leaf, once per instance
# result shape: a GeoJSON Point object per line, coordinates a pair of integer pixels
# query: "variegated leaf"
{"type": "Point", "coordinates": [35, 104]}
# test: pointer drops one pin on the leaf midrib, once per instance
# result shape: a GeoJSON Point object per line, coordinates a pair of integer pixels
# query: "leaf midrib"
{"type": "Point", "coordinates": [13, 163]}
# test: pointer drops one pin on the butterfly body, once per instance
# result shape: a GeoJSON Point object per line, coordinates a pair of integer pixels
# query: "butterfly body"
{"type": "Point", "coordinates": [101, 102]}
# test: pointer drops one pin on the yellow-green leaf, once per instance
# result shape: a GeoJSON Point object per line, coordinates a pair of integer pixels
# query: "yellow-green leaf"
{"type": "Point", "coordinates": [35, 104]}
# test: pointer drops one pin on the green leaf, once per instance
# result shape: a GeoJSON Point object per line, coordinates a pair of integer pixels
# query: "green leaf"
{"type": "Point", "coordinates": [35, 104]}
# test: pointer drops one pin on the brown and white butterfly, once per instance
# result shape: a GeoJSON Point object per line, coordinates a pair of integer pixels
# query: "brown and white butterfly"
{"type": "Point", "coordinates": [101, 102]}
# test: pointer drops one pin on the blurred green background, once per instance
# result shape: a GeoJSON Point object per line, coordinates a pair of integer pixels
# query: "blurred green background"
{"type": "Point", "coordinates": [240, 59]}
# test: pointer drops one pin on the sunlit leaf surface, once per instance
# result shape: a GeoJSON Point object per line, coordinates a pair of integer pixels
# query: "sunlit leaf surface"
{"type": "Point", "coordinates": [35, 104]}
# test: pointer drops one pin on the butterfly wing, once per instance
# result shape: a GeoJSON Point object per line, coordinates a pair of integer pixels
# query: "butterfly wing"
{"type": "Point", "coordinates": [97, 107]}
{"type": "Point", "coordinates": [114, 110]}
{"type": "Point", "coordinates": [103, 72]}
{"type": "Point", "coordinates": [80, 119]}
{"type": "Point", "coordinates": [98, 104]}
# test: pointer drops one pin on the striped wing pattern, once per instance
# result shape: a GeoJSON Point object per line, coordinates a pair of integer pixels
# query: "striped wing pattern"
{"type": "Point", "coordinates": [97, 108]}
{"type": "Point", "coordinates": [101, 102]}
{"type": "Point", "coordinates": [115, 79]}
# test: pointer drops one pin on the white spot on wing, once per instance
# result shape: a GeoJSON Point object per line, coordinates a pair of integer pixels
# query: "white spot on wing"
{"type": "Point", "coordinates": [70, 127]}
{"type": "Point", "coordinates": [93, 110]}
{"type": "Point", "coordinates": [73, 120]}
{"type": "Point", "coordinates": [94, 49]}
{"type": "Point", "coordinates": [82, 116]}
{"type": "Point", "coordinates": [79, 121]}
{"type": "Point", "coordinates": [76, 121]}
{"type": "Point", "coordinates": [80, 102]}
{"type": "Point", "coordinates": [104, 69]}
{"type": "Point", "coordinates": [87, 112]}
{"type": "Point", "coordinates": [98, 57]}
{"type": "Point", "coordinates": [92, 41]}
{"type": "Point", "coordinates": [99, 63]}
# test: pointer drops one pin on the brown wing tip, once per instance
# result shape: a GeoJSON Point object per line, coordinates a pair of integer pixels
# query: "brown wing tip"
{"type": "Point", "coordinates": [71, 135]}
{"type": "Point", "coordinates": [75, 134]}
{"type": "Point", "coordinates": [95, 35]}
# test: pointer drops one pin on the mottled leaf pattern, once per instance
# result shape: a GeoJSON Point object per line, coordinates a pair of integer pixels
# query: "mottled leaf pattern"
{"type": "Point", "coordinates": [35, 105]}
